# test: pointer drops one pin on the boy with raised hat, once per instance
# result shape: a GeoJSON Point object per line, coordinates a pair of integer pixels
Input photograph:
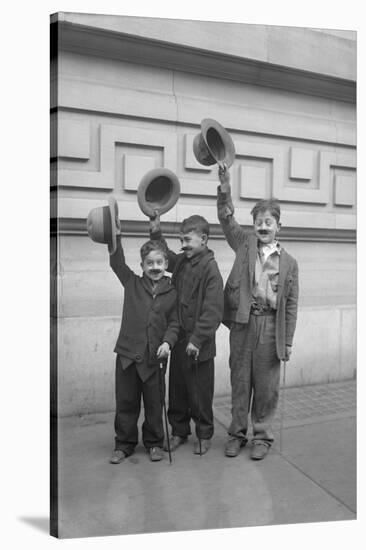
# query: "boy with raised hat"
{"type": "Point", "coordinates": [149, 329]}
{"type": "Point", "coordinates": [199, 286]}
{"type": "Point", "coordinates": [261, 301]}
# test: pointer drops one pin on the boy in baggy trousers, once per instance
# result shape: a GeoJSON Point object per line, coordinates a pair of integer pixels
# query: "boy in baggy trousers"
{"type": "Point", "coordinates": [261, 301]}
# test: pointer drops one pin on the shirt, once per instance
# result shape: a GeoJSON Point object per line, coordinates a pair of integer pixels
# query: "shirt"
{"type": "Point", "coordinates": [266, 275]}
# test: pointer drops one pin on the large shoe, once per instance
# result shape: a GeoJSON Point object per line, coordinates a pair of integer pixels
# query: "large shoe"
{"type": "Point", "coordinates": [233, 446]}
{"type": "Point", "coordinates": [174, 442]}
{"type": "Point", "coordinates": [259, 451]}
{"type": "Point", "coordinates": [201, 450]}
{"type": "Point", "coordinates": [117, 456]}
{"type": "Point", "coordinates": [156, 454]}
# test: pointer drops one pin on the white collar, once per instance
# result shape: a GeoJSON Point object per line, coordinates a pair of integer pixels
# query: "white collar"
{"type": "Point", "coordinates": [267, 249]}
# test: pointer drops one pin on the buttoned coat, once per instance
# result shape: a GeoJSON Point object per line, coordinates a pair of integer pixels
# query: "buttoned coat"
{"type": "Point", "coordinates": [238, 290]}
{"type": "Point", "coordinates": [205, 302]}
{"type": "Point", "coordinates": [148, 320]}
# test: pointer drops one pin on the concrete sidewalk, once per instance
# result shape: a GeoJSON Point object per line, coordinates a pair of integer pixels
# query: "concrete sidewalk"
{"type": "Point", "coordinates": [313, 478]}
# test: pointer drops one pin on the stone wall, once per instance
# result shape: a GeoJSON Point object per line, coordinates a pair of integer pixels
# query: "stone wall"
{"type": "Point", "coordinates": [125, 101]}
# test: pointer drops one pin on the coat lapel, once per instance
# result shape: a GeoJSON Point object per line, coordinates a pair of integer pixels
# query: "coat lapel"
{"type": "Point", "coordinates": [164, 286]}
{"type": "Point", "coordinates": [283, 270]}
{"type": "Point", "coordinates": [147, 285]}
{"type": "Point", "coordinates": [253, 247]}
{"type": "Point", "coordinates": [200, 268]}
{"type": "Point", "coordinates": [178, 266]}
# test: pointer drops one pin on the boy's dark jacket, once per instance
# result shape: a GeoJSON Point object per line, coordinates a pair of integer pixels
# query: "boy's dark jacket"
{"type": "Point", "coordinates": [238, 288]}
{"type": "Point", "coordinates": [146, 321]}
{"type": "Point", "coordinates": [205, 303]}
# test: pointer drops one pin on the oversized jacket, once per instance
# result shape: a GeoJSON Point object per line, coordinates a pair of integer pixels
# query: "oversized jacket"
{"type": "Point", "coordinates": [238, 290]}
{"type": "Point", "coordinates": [147, 322]}
{"type": "Point", "coordinates": [206, 301]}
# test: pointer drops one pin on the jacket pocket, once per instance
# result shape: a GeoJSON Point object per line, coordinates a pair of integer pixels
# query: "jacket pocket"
{"type": "Point", "coordinates": [130, 346]}
{"type": "Point", "coordinates": [288, 285]}
{"type": "Point", "coordinates": [232, 295]}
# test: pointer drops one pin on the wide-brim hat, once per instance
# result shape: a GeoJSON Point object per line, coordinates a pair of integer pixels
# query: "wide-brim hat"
{"type": "Point", "coordinates": [213, 144]}
{"type": "Point", "coordinates": [102, 224]}
{"type": "Point", "coordinates": [158, 190]}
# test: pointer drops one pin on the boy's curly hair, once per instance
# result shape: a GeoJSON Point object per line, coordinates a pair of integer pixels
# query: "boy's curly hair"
{"type": "Point", "coordinates": [149, 246]}
{"type": "Point", "coordinates": [195, 223]}
{"type": "Point", "coordinates": [272, 205]}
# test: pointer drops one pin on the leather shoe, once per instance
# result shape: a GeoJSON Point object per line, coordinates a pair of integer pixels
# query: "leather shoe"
{"type": "Point", "coordinates": [233, 446]}
{"type": "Point", "coordinates": [205, 445]}
{"type": "Point", "coordinates": [156, 454]}
{"type": "Point", "coordinates": [117, 456]}
{"type": "Point", "coordinates": [259, 451]}
{"type": "Point", "coordinates": [174, 442]}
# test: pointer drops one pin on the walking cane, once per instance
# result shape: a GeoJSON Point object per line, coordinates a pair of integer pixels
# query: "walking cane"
{"type": "Point", "coordinates": [198, 405]}
{"type": "Point", "coordinates": [164, 406]}
{"type": "Point", "coordinates": [283, 402]}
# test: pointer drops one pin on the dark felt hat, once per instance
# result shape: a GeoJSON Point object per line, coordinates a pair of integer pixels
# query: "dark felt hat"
{"type": "Point", "coordinates": [213, 144]}
{"type": "Point", "coordinates": [158, 190]}
{"type": "Point", "coordinates": [102, 224]}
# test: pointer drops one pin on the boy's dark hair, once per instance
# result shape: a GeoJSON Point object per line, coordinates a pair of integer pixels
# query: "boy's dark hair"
{"type": "Point", "coordinates": [149, 246]}
{"type": "Point", "coordinates": [195, 223]}
{"type": "Point", "coordinates": [272, 205]}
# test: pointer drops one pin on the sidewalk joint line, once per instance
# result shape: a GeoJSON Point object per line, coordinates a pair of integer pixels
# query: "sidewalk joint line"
{"type": "Point", "coordinates": [316, 482]}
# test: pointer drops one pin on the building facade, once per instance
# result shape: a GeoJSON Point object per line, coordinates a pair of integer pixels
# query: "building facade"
{"type": "Point", "coordinates": [127, 95]}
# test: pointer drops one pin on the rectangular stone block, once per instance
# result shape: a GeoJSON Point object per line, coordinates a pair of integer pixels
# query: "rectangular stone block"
{"type": "Point", "coordinates": [345, 190]}
{"type": "Point", "coordinates": [255, 181]}
{"type": "Point", "coordinates": [301, 163]}
{"type": "Point", "coordinates": [190, 161]}
{"type": "Point", "coordinates": [316, 348]}
{"type": "Point", "coordinates": [134, 168]}
{"type": "Point", "coordinates": [348, 347]}
{"type": "Point", "coordinates": [73, 139]}
{"type": "Point", "coordinates": [86, 365]}
{"type": "Point", "coordinates": [198, 187]}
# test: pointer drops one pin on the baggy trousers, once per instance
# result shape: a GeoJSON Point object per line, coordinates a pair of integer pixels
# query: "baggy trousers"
{"type": "Point", "coordinates": [129, 389]}
{"type": "Point", "coordinates": [255, 373]}
{"type": "Point", "coordinates": [191, 392]}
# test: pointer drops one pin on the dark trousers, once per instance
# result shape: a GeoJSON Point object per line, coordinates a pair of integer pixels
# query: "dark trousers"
{"type": "Point", "coordinates": [129, 390]}
{"type": "Point", "coordinates": [255, 373]}
{"type": "Point", "coordinates": [191, 392]}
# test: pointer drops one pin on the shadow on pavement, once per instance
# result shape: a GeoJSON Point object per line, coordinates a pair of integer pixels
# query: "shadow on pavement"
{"type": "Point", "coordinates": [39, 523]}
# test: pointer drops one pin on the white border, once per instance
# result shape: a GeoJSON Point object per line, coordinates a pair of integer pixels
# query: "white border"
{"type": "Point", "coordinates": [24, 273]}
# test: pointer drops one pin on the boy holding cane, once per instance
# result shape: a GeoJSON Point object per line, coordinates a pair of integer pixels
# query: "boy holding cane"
{"type": "Point", "coordinates": [149, 329]}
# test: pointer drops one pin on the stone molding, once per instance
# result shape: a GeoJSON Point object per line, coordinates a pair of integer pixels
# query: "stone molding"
{"type": "Point", "coordinates": [125, 154]}
{"type": "Point", "coordinates": [136, 49]}
{"type": "Point", "coordinates": [77, 226]}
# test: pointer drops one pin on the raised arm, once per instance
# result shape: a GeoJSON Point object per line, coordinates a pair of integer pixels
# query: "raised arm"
{"type": "Point", "coordinates": [156, 235]}
{"type": "Point", "coordinates": [118, 263]}
{"type": "Point", "coordinates": [234, 233]}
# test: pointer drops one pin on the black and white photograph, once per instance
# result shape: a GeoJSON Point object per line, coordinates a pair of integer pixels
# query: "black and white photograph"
{"type": "Point", "coordinates": [203, 217]}
{"type": "Point", "coordinates": [201, 357]}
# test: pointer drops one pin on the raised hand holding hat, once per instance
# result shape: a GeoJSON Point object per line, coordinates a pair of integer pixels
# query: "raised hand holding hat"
{"type": "Point", "coordinates": [103, 224]}
{"type": "Point", "coordinates": [158, 191]}
{"type": "Point", "coordinates": [213, 144]}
